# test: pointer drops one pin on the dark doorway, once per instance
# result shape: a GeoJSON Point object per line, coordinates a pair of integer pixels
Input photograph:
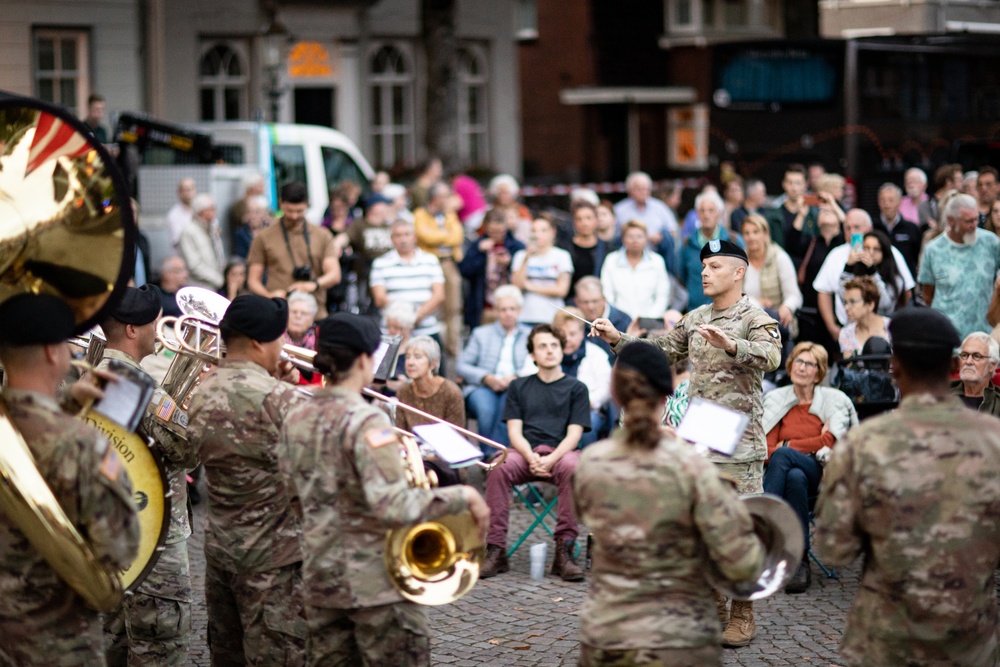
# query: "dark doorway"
{"type": "Point", "coordinates": [314, 106]}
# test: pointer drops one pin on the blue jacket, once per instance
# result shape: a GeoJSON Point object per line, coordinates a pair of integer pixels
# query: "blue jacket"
{"type": "Point", "coordinates": [473, 269]}
{"type": "Point", "coordinates": [480, 356]}
{"type": "Point", "coordinates": [689, 267]}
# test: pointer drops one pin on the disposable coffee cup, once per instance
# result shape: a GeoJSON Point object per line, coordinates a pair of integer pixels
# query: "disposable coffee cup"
{"type": "Point", "coordinates": [538, 560]}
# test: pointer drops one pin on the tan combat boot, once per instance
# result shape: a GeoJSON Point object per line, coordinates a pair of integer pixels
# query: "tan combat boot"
{"type": "Point", "coordinates": [742, 628]}
{"type": "Point", "coordinates": [722, 608]}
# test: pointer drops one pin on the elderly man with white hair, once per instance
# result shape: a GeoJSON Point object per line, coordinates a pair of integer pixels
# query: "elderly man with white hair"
{"type": "Point", "coordinates": [490, 362]}
{"type": "Point", "coordinates": [709, 207]}
{"type": "Point", "coordinates": [960, 266]}
{"type": "Point", "coordinates": [977, 362]}
{"type": "Point", "coordinates": [915, 186]}
{"type": "Point", "coordinates": [641, 205]}
{"type": "Point", "coordinates": [201, 245]}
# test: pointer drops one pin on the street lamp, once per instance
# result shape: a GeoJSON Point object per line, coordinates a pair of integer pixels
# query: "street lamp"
{"type": "Point", "coordinates": [275, 39]}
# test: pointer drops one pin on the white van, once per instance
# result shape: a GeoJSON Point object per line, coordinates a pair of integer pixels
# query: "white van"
{"type": "Point", "coordinates": [218, 155]}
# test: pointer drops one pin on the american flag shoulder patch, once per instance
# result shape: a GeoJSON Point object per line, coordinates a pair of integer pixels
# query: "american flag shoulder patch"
{"type": "Point", "coordinates": [166, 409]}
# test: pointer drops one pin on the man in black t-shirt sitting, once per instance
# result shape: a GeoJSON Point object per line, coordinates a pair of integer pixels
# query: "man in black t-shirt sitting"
{"type": "Point", "coordinates": [546, 414]}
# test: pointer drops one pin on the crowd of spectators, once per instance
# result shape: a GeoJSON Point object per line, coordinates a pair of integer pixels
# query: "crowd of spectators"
{"type": "Point", "coordinates": [462, 275]}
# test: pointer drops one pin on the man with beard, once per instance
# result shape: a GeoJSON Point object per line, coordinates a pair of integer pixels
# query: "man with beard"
{"type": "Point", "coordinates": [959, 267]}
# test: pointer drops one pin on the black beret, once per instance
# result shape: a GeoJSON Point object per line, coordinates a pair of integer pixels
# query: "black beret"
{"type": "Point", "coordinates": [650, 362]}
{"type": "Point", "coordinates": [35, 319]}
{"type": "Point", "coordinates": [139, 305]}
{"type": "Point", "coordinates": [923, 328]}
{"type": "Point", "coordinates": [355, 332]}
{"type": "Point", "coordinates": [256, 317]}
{"type": "Point", "coordinates": [723, 248]}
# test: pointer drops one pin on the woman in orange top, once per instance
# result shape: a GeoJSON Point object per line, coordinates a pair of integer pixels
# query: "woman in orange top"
{"type": "Point", "coordinates": [803, 421]}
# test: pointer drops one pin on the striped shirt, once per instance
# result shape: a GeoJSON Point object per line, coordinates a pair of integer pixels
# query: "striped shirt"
{"type": "Point", "coordinates": [409, 281]}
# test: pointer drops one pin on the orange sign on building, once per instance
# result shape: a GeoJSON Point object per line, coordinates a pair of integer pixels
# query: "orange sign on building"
{"type": "Point", "coordinates": [309, 60]}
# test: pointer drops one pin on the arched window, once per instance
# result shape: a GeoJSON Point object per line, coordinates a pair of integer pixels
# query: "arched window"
{"type": "Point", "coordinates": [473, 128]}
{"type": "Point", "coordinates": [223, 84]}
{"type": "Point", "coordinates": [391, 79]}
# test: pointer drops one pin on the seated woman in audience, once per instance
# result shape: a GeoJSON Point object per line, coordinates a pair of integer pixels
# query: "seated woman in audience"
{"type": "Point", "coordinates": [400, 318]}
{"type": "Point", "coordinates": [428, 391]}
{"type": "Point", "coordinates": [771, 278]}
{"type": "Point", "coordinates": [234, 279]}
{"type": "Point", "coordinates": [861, 297]}
{"type": "Point", "coordinates": [634, 277]}
{"type": "Point", "coordinates": [486, 266]}
{"type": "Point", "coordinates": [876, 261]}
{"type": "Point", "coordinates": [301, 331]}
{"type": "Point", "coordinates": [803, 421]}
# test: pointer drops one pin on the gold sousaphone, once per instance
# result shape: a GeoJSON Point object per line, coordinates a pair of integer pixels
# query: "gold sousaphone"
{"type": "Point", "coordinates": [66, 229]}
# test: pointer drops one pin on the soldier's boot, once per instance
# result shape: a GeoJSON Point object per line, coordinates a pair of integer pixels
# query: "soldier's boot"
{"type": "Point", "coordinates": [495, 562]}
{"type": "Point", "coordinates": [722, 608]}
{"type": "Point", "coordinates": [564, 565]}
{"type": "Point", "coordinates": [741, 629]}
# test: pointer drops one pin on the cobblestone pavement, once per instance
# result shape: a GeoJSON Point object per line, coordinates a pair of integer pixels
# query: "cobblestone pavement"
{"type": "Point", "coordinates": [513, 620]}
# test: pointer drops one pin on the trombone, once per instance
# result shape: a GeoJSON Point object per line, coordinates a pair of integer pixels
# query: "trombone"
{"type": "Point", "coordinates": [302, 358]}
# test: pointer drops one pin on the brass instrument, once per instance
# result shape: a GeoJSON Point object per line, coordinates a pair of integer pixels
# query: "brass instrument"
{"type": "Point", "coordinates": [93, 343]}
{"type": "Point", "coordinates": [777, 526]}
{"type": "Point", "coordinates": [66, 229]}
{"type": "Point", "coordinates": [196, 340]}
{"type": "Point", "coordinates": [432, 562]}
{"type": "Point", "coordinates": [303, 358]}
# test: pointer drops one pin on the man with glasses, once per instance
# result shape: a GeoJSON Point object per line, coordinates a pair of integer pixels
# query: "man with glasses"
{"type": "Point", "coordinates": [589, 298]}
{"type": "Point", "coordinates": [978, 360]}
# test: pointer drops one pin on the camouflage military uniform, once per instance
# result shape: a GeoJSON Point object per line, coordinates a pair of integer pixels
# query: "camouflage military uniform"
{"type": "Point", "coordinates": [659, 519]}
{"type": "Point", "coordinates": [253, 579]}
{"type": "Point", "coordinates": [154, 625]}
{"type": "Point", "coordinates": [344, 459]}
{"type": "Point", "coordinates": [42, 621]}
{"type": "Point", "coordinates": [731, 381]}
{"type": "Point", "coordinates": [917, 491]}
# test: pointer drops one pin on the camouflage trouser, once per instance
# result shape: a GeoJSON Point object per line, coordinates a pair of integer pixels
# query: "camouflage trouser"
{"type": "Point", "coordinates": [394, 634]}
{"type": "Point", "coordinates": [72, 638]}
{"type": "Point", "coordinates": [749, 476]}
{"type": "Point", "coordinates": [703, 656]}
{"type": "Point", "coordinates": [255, 618]}
{"type": "Point", "coordinates": [154, 624]}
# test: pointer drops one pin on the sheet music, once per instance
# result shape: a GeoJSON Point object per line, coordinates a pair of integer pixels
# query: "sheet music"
{"type": "Point", "coordinates": [710, 424]}
{"type": "Point", "coordinates": [448, 444]}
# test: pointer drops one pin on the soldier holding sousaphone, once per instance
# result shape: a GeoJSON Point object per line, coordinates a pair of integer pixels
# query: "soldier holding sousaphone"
{"type": "Point", "coordinates": [155, 621]}
{"type": "Point", "coordinates": [44, 619]}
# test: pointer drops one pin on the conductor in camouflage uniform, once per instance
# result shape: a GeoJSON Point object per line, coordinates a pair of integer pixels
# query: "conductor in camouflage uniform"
{"type": "Point", "coordinates": [345, 461]}
{"type": "Point", "coordinates": [253, 559]}
{"type": "Point", "coordinates": [154, 624]}
{"type": "Point", "coordinates": [917, 493]}
{"type": "Point", "coordinates": [42, 620]}
{"type": "Point", "coordinates": [730, 343]}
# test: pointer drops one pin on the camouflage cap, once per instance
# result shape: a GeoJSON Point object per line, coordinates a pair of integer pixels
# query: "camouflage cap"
{"type": "Point", "coordinates": [650, 362]}
{"type": "Point", "coordinates": [355, 332]}
{"type": "Point", "coordinates": [256, 317]}
{"type": "Point", "coordinates": [925, 328]}
{"type": "Point", "coordinates": [139, 305]}
{"type": "Point", "coordinates": [723, 248]}
{"type": "Point", "coordinates": [35, 319]}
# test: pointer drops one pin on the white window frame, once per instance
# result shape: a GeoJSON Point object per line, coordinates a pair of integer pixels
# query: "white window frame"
{"type": "Point", "coordinates": [382, 84]}
{"type": "Point", "coordinates": [693, 26]}
{"type": "Point", "coordinates": [222, 81]}
{"type": "Point", "coordinates": [81, 75]}
{"type": "Point", "coordinates": [466, 128]}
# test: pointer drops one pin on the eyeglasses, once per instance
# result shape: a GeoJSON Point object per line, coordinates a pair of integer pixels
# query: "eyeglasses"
{"type": "Point", "coordinates": [808, 364]}
{"type": "Point", "coordinates": [975, 356]}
